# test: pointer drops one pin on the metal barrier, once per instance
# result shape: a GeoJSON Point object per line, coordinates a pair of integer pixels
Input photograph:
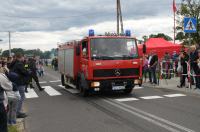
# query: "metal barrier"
{"type": "Point", "coordinates": [167, 68]}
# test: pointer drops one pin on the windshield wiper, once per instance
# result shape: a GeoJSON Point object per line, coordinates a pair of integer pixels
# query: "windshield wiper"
{"type": "Point", "coordinates": [127, 57]}
{"type": "Point", "coordinates": [102, 58]}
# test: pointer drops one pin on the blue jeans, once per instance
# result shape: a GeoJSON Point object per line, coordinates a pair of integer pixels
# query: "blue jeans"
{"type": "Point", "coordinates": [21, 101]}
{"type": "Point", "coordinates": [152, 75]}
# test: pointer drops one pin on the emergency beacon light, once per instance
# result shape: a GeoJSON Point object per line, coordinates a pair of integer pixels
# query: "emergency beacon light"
{"type": "Point", "coordinates": [91, 32]}
{"type": "Point", "coordinates": [128, 33]}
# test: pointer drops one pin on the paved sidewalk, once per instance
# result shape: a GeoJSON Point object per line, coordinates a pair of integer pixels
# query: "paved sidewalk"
{"type": "Point", "coordinates": [172, 84]}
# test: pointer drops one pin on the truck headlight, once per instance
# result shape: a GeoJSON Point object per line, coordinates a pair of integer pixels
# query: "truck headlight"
{"type": "Point", "coordinates": [95, 84]}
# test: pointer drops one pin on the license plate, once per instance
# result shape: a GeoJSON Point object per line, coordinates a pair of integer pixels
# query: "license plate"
{"type": "Point", "coordinates": [118, 87]}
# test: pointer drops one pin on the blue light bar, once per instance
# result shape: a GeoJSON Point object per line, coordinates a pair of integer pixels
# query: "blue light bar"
{"type": "Point", "coordinates": [128, 33]}
{"type": "Point", "coordinates": [91, 32]}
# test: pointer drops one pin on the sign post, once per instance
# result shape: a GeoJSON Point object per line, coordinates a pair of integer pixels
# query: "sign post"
{"type": "Point", "coordinates": [190, 26]}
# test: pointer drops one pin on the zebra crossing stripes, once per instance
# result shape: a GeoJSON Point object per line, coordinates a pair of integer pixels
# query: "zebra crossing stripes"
{"type": "Point", "coordinates": [31, 94]}
{"type": "Point", "coordinates": [149, 97]}
{"type": "Point", "coordinates": [51, 91]}
{"type": "Point", "coordinates": [174, 95]}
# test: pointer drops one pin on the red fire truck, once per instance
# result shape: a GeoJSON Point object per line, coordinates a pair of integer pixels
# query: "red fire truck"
{"type": "Point", "coordinates": [100, 63]}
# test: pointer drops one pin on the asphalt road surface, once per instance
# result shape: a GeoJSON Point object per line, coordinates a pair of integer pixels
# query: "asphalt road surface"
{"type": "Point", "coordinates": [145, 110]}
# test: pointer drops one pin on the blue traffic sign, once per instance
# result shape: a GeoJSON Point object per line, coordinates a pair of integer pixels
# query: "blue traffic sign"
{"type": "Point", "coordinates": [190, 25]}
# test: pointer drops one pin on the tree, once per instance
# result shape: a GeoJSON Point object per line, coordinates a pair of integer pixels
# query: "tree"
{"type": "Point", "coordinates": [189, 8]}
{"type": "Point", "coordinates": [161, 35]}
{"type": "Point", "coordinates": [15, 50]}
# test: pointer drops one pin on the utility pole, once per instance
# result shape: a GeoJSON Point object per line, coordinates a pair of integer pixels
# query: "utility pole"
{"type": "Point", "coordinates": [119, 18]}
{"type": "Point", "coordinates": [9, 34]}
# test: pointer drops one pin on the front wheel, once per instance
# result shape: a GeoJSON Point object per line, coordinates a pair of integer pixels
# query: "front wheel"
{"type": "Point", "coordinates": [128, 91]}
{"type": "Point", "coordinates": [63, 80]}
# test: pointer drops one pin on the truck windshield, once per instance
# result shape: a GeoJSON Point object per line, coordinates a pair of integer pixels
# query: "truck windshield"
{"type": "Point", "coordinates": [113, 49]}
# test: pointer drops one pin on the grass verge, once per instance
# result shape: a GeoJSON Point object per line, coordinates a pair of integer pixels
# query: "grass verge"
{"type": "Point", "coordinates": [12, 129]}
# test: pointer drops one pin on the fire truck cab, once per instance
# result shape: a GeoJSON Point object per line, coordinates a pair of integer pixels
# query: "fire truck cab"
{"type": "Point", "coordinates": [100, 63]}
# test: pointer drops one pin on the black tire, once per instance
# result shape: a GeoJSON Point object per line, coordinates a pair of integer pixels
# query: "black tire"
{"type": "Point", "coordinates": [140, 85]}
{"type": "Point", "coordinates": [128, 91]}
{"type": "Point", "coordinates": [63, 80]}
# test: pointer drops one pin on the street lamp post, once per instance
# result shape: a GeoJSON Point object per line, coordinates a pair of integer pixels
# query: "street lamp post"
{"type": "Point", "coordinates": [9, 34]}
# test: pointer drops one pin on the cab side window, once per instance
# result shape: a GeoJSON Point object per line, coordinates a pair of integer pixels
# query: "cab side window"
{"type": "Point", "coordinates": [85, 49]}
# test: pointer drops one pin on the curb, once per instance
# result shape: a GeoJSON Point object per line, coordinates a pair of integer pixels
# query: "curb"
{"type": "Point", "coordinates": [21, 125]}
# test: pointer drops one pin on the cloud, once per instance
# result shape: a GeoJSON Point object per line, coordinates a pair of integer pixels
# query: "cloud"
{"type": "Point", "coordinates": [48, 40]}
{"type": "Point", "coordinates": [41, 24]}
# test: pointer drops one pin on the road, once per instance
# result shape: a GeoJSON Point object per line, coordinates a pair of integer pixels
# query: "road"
{"type": "Point", "coordinates": [145, 110]}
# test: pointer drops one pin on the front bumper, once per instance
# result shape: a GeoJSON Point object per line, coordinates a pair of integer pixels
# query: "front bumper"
{"type": "Point", "coordinates": [107, 85]}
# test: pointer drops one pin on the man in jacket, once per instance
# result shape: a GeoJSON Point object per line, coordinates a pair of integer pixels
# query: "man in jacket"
{"type": "Point", "coordinates": [33, 69]}
{"type": "Point", "coordinates": [18, 68]}
{"type": "Point", "coordinates": [5, 85]}
{"type": "Point", "coordinates": [153, 61]}
{"type": "Point", "coordinates": [194, 66]}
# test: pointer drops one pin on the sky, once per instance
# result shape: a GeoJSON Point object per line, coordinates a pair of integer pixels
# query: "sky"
{"type": "Point", "coordinates": [45, 23]}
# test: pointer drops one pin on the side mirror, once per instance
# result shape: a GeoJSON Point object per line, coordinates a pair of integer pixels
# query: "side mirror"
{"type": "Point", "coordinates": [77, 50]}
{"type": "Point", "coordinates": [144, 49]}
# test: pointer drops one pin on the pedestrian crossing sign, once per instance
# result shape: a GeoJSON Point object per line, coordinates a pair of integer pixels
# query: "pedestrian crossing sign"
{"type": "Point", "coordinates": [190, 25]}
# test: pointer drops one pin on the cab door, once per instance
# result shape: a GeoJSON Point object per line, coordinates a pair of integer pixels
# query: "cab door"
{"type": "Point", "coordinates": [84, 57]}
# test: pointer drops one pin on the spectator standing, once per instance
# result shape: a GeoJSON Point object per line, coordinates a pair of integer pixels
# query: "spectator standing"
{"type": "Point", "coordinates": [193, 64]}
{"type": "Point", "coordinates": [5, 85]}
{"type": "Point", "coordinates": [184, 58]}
{"type": "Point", "coordinates": [21, 83]}
{"type": "Point", "coordinates": [41, 69]}
{"type": "Point", "coordinates": [153, 61]}
{"type": "Point", "coordinates": [56, 64]}
{"type": "Point", "coordinates": [167, 65]}
{"type": "Point", "coordinates": [145, 67]}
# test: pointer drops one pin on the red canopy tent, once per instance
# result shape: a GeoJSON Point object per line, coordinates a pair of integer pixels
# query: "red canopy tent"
{"type": "Point", "coordinates": [159, 46]}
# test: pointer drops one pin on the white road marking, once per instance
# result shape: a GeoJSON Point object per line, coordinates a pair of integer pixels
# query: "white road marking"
{"type": "Point", "coordinates": [168, 125]}
{"type": "Point", "coordinates": [61, 86]}
{"type": "Point", "coordinates": [138, 87]}
{"type": "Point", "coordinates": [73, 91]}
{"type": "Point", "coordinates": [127, 99]}
{"type": "Point", "coordinates": [31, 94]}
{"type": "Point", "coordinates": [43, 82]}
{"type": "Point", "coordinates": [174, 95]}
{"type": "Point", "coordinates": [50, 91]}
{"type": "Point", "coordinates": [151, 97]}
{"type": "Point", "coordinates": [55, 81]}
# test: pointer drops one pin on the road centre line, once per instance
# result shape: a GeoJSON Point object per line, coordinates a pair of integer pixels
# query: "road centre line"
{"type": "Point", "coordinates": [31, 94]}
{"type": "Point", "coordinates": [147, 116]}
{"type": "Point", "coordinates": [152, 97]}
{"type": "Point", "coordinates": [174, 95]}
{"type": "Point", "coordinates": [50, 91]}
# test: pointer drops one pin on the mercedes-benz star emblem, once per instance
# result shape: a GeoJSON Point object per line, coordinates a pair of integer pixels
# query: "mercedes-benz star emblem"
{"type": "Point", "coordinates": [117, 72]}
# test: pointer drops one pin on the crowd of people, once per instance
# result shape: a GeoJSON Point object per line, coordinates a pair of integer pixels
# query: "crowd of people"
{"type": "Point", "coordinates": [16, 73]}
{"type": "Point", "coordinates": [185, 64]}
